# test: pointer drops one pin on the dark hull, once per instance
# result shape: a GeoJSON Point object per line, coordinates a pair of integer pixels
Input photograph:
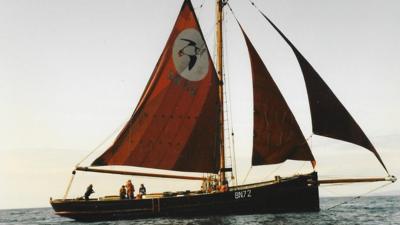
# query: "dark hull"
{"type": "Point", "coordinates": [295, 194]}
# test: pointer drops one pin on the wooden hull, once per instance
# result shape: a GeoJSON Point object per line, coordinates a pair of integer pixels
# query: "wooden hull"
{"type": "Point", "coordinates": [294, 194]}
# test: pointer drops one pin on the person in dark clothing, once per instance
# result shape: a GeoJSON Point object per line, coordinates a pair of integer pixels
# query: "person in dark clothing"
{"type": "Point", "coordinates": [122, 192]}
{"type": "Point", "coordinates": [89, 191]}
{"type": "Point", "coordinates": [142, 190]}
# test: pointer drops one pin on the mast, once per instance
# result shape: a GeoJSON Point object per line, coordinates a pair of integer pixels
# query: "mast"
{"type": "Point", "coordinates": [219, 18]}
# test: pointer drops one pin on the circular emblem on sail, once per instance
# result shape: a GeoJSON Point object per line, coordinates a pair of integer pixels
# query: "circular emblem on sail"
{"type": "Point", "coordinates": [190, 55]}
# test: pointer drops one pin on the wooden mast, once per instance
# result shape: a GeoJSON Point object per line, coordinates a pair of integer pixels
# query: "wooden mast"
{"type": "Point", "coordinates": [219, 18]}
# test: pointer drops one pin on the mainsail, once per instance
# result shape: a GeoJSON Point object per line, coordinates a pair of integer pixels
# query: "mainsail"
{"type": "Point", "coordinates": [329, 117]}
{"type": "Point", "coordinates": [176, 123]}
{"type": "Point", "coordinates": [277, 136]}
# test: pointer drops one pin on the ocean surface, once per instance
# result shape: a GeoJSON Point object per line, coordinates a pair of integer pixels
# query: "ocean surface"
{"type": "Point", "coordinates": [363, 211]}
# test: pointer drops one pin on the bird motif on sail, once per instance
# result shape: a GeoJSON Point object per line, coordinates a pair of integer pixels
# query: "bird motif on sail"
{"type": "Point", "coordinates": [190, 55]}
{"type": "Point", "coordinates": [175, 125]}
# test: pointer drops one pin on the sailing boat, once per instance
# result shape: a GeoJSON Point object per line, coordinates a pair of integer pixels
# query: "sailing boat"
{"type": "Point", "coordinates": [178, 125]}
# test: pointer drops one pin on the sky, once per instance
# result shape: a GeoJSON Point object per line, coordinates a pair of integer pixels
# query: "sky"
{"type": "Point", "coordinates": [71, 73]}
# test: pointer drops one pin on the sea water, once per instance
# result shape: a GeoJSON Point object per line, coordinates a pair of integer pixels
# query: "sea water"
{"type": "Point", "coordinates": [363, 211]}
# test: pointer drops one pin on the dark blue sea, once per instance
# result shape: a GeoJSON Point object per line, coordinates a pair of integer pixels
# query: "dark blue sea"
{"type": "Point", "coordinates": [366, 210]}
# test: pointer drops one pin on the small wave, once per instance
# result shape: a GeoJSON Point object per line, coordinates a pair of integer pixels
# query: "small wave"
{"type": "Point", "coordinates": [369, 210]}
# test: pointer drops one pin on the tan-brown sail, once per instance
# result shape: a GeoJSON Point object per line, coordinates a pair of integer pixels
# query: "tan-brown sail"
{"type": "Point", "coordinates": [277, 136]}
{"type": "Point", "coordinates": [329, 117]}
{"type": "Point", "coordinates": [176, 123]}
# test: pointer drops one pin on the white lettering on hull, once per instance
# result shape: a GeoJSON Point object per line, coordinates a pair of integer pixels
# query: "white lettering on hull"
{"type": "Point", "coordinates": [243, 194]}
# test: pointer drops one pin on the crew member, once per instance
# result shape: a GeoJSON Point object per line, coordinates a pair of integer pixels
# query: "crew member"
{"type": "Point", "coordinates": [142, 190]}
{"type": "Point", "coordinates": [130, 189]}
{"type": "Point", "coordinates": [122, 192]}
{"type": "Point", "coordinates": [89, 191]}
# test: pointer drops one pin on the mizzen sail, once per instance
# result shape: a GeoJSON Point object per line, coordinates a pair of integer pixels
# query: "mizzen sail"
{"type": "Point", "coordinates": [277, 136]}
{"type": "Point", "coordinates": [329, 117]}
{"type": "Point", "coordinates": [176, 123]}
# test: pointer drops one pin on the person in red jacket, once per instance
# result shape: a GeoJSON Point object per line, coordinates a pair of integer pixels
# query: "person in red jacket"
{"type": "Point", "coordinates": [130, 190]}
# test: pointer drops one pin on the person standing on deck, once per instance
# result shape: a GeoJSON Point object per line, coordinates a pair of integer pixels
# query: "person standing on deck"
{"type": "Point", "coordinates": [122, 192]}
{"type": "Point", "coordinates": [130, 189]}
{"type": "Point", "coordinates": [224, 186]}
{"type": "Point", "coordinates": [89, 191]}
{"type": "Point", "coordinates": [142, 190]}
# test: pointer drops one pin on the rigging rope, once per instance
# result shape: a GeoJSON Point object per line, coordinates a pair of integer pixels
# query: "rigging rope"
{"type": "Point", "coordinates": [87, 156]}
{"type": "Point", "coordinates": [247, 175]}
{"type": "Point", "coordinates": [358, 197]}
{"type": "Point", "coordinates": [302, 166]}
{"type": "Point", "coordinates": [228, 108]}
{"type": "Point", "coordinates": [234, 158]}
{"type": "Point", "coordinates": [198, 9]}
{"type": "Point", "coordinates": [231, 121]}
{"type": "Point", "coordinates": [101, 144]}
{"type": "Point", "coordinates": [230, 8]}
{"type": "Point", "coordinates": [279, 166]}
{"type": "Point", "coordinates": [201, 5]}
{"type": "Point", "coordinates": [69, 185]}
{"type": "Point", "coordinates": [253, 4]}
{"type": "Point", "coordinates": [274, 171]}
{"type": "Point", "coordinates": [295, 50]}
{"type": "Point", "coordinates": [310, 141]}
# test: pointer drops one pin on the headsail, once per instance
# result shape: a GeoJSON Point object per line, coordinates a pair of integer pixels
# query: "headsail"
{"type": "Point", "coordinates": [175, 125]}
{"type": "Point", "coordinates": [277, 136]}
{"type": "Point", "coordinates": [329, 117]}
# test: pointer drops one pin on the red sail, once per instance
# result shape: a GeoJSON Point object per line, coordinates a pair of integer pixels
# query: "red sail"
{"type": "Point", "coordinates": [176, 123]}
{"type": "Point", "coordinates": [277, 136]}
{"type": "Point", "coordinates": [329, 117]}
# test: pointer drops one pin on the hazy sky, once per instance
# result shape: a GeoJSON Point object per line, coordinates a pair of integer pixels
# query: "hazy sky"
{"type": "Point", "coordinates": [71, 73]}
